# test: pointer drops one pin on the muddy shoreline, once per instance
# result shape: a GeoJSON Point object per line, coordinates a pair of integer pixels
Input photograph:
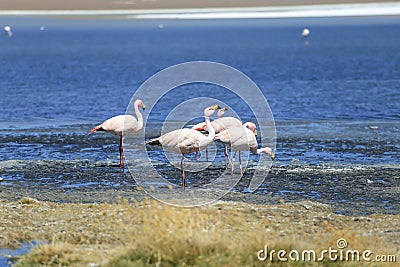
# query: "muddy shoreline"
{"type": "Point", "coordinates": [349, 190]}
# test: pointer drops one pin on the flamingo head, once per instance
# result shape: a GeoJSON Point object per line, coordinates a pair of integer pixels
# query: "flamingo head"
{"type": "Point", "coordinates": [221, 112]}
{"type": "Point", "coordinates": [208, 112]}
{"type": "Point", "coordinates": [268, 151]}
{"type": "Point", "coordinates": [140, 103]}
{"type": "Point", "coordinates": [251, 126]}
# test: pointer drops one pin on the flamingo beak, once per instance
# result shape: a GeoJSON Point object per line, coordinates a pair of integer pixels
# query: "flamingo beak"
{"type": "Point", "coordinates": [143, 106]}
{"type": "Point", "coordinates": [224, 109]}
{"type": "Point", "coordinates": [272, 155]}
{"type": "Point", "coordinates": [255, 132]}
{"type": "Point", "coordinates": [215, 107]}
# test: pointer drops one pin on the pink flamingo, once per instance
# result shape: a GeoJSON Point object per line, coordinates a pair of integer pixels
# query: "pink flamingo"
{"type": "Point", "coordinates": [221, 124]}
{"type": "Point", "coordinates": [241, 139]}
{"type": "Point", "coordinates": [248, 125]}
{"type": "Point", "coordinates": [186, 141]}
{"type": "Point", "coordinates": [123, 123]}
{"type": "Point", "coordinates": [202, 127]}
{"type": "Point", "coordinates": [224, 123]}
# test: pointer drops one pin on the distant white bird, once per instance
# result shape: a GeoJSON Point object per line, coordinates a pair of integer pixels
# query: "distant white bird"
{"type": "Point", "coordinates": [242, 138]}
{"type": "Point", "coordinates": [186, 141]}
{"type": "Point", "coordinates": [306, 32]}
{"type": "Point", "coordinates": [8, 30]}
{"type": "Point", "coordinates": [123, 123]}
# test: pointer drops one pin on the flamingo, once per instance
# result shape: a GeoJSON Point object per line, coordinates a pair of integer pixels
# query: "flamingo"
{"type": "Point", "coordinates": [248, 125]}
{"type": "Point", "coordinates": [221, 112]}
{"type": "Point", "coordinates": [186, 141]}
{"type": "Point", "coordinates": [202, 126]}
{"type": "Point", "coordinates": [243, 139]}
{"type": "Point", "coordinates": [225, 123]}
{"type": "Point", "coordinates": [123, 123]}
{"type": "Point", "coordinates": [222, 124]}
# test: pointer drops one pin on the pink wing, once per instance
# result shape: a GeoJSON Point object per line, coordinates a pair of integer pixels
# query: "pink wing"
{"type": "Point", "coordinates": [119, 124]}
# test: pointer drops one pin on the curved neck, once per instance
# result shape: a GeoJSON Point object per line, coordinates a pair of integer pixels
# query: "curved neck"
{"type": "Point", "coordinates": [210, 129]}
{"type": "Point", "coordinates": [255, 151]}
{"type": "Point", "coordinates": [265, 150]}
{"type": "Point", "coordinates": [138, 115]}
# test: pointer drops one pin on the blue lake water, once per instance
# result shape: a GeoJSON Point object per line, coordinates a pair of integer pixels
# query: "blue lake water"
{"type": "Point", "coordinates": [342, 81]}
{"type": "Point", "coordinates": [335, 96]}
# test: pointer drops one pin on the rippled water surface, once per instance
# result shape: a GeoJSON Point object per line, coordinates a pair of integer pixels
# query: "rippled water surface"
{"type": "Point", "coordinates": [335, 96]}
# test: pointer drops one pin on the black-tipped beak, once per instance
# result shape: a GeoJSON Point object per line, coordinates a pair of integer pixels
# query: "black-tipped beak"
{"type": "Point", "coordinates": [215, 107]}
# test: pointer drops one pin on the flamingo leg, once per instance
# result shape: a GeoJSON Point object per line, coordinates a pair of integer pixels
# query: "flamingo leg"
{"type": "Point", "coordinates": [197, 154]}
{"type": "Point", "coordinates": [226, 158]}
{"type": "Point", "coordinates": [183, 172]}
{"type": "Point", "coordinates": [206, 153]}
{"type": "Point", "coordinates": [240, 165]}
{"type": "Point", "coordinates": [121, 154]}
{"type": "Point", "coordinates": [233, 161]}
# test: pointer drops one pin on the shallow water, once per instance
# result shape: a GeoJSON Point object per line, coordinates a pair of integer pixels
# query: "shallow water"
{"type": "Point", "coordinates": [335, 98]}
{"type": "Point", "coordinates": [8, 256]}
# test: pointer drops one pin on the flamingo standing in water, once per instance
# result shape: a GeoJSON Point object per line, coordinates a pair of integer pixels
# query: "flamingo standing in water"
{"type": "Point", "coordinates": [123, 123]}
{"type": "Point", "coordinates": [243, 139]}
{"type": "Point", "coordinates": [202, 127]}
{"type": "Point", "coordinates": [224, 123]}
{"type": "Point", "coordinates": [248, 125]}
{"type": "Point", "coordinates": [186, 141]}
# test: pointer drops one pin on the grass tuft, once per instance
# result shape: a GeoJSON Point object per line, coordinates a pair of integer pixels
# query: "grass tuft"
{"type": "Point", "coordinates": [27, 200]}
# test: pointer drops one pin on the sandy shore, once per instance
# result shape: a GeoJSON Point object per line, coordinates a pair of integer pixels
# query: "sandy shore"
{"type": "Point", "coordinates": [156, 4]}
{"type": "Point", "coordinates": [199, 10]}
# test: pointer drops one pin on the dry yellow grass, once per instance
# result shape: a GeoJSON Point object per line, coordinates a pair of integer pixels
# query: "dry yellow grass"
{"type": "Point", "coordinates": [150, 233]}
